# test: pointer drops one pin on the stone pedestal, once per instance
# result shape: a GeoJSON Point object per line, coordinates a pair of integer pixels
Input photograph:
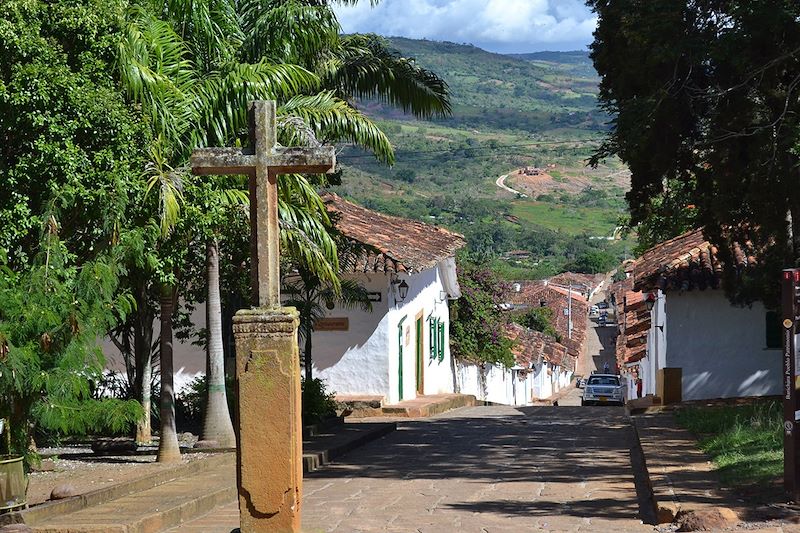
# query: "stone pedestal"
{"type": "Point", "coordinates": [269, 454]}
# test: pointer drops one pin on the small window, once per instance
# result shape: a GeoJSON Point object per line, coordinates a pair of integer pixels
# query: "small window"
{"type": "Point", "coordinates": [773, 330]}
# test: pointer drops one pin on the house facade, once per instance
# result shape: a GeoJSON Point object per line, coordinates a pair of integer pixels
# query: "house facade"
{"type": "Point", "coordinates": [697, 345]}
{"type": "Point", "coordinates": [543, 367]}
{"type": "Point", "coordinates": [400, 349]}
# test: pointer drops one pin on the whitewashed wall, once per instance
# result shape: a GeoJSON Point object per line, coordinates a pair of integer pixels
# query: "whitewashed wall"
{"type": "Point", "coordinates": [721, 348]}
{"type": "Point", "coordinates": [354, 361]}
{"type": "Point", "coordinates": [189, 360]}
{"type": "Point", "coordinates": [501, 385]}
{"type": "Point", "coordinates": [366, 359]}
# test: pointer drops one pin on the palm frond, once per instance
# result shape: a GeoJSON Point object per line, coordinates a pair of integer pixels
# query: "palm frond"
{"type": "Point", "coordinates": [210, 28]}
{"type": "Point", "coordinates": [307, 241]}
{"type": "Point", "coordinates": [156, 72]}
{"type": "Point", "coordinates": [333, 119]}
{"type": "Point", "coordinates": [365, 67]}
{"type": "Point", "coordinates": [170, 190]}
{"type": "Point", "coordinates": [289, 31]}
{"type": "Point", "coordinates": [222, 99]}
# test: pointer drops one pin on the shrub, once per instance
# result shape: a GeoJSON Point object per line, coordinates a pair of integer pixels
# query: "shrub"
{"type": "Point", "coordinates": [318, 402]}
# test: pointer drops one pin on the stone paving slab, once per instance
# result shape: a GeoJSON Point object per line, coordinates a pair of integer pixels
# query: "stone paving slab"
{"type": "Point", "coordinates": [479, 469]}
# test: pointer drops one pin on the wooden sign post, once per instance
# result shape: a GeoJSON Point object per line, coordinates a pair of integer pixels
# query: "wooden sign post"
{"type": "Point", "coordinates": [791, 369]}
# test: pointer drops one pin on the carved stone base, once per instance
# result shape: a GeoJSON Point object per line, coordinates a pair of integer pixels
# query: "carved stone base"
{"type": "Point", "coordinates": [269, 455]}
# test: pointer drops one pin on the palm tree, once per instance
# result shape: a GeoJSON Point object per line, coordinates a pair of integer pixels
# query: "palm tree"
{"type": "Point", "coordinates": [217, 424]}
{"type": "Point", "coordinates": [193, 65]}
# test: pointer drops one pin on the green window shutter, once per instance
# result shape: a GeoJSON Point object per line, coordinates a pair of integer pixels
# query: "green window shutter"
{"type": "Point", "coordinates": [432, 338]}
{"type": "Point", "coordinates": [441, 341]}
{"type": "Point", "coordinates": [773, 330]}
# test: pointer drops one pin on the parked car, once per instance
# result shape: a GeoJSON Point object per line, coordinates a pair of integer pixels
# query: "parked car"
{"type": "Point", "coordinates": [581, 383]}
{"type": "Point", "coordinates": [594, 311]}
{"type": "Point", "coordinates": [602, 305]}
{"type": "Point", "coordinates": [603, 389]}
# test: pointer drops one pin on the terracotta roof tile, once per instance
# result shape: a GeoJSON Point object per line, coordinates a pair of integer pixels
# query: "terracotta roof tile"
{"type": "Point", "coordinates": [402, 244]}
{"type": "Point", "coordinates": [533, 347]}
{"type": "Point", "coordinates": [634, 326]}
{"type": "Point", "coordinates": [685, 262]}
{"type": "Point", "coordinates": [534, 293]}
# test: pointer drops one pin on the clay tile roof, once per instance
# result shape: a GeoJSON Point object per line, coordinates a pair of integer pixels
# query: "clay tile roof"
{"type": "Point", "coordinates": [534, 293]}
{"type": "Point", "coordinates": [532, 347]}
{"type": "Point", "coordinates": [685, 262]}
{"type": "Point", "coordinates": [634, 325]}
{"type": "Point", "coordinates": [402, 244]}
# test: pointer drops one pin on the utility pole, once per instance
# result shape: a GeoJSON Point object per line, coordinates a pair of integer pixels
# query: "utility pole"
{"type": "Point", "coordinates": [569, 311]}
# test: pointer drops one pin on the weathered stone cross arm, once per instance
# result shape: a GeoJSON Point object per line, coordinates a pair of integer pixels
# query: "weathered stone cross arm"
{"type": "Point", "coordinates": [281, 160]}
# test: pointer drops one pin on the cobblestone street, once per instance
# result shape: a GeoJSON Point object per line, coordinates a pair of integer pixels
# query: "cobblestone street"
{"type": "Point", "coordinates": [480, 469]}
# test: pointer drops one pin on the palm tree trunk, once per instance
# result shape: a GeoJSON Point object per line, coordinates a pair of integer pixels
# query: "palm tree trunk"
{"type": "Point", "coordinates": [168, 449]}
{"type": "Point", "coordinates": [143, 353]}
{"type": "Point", "coordinates": [217, 424]}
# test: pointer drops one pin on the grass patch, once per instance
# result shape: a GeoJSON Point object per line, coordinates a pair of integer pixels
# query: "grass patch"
{"type": "Point", "coordinates": [568, 219]}
{"type": "Point", "coordinates": [745, 442]}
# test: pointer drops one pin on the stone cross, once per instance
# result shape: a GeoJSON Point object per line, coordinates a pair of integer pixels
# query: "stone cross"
{"type": "Point", "coordinates": [269, 455]}
{"type": "Point", "coordinates": [263, 161]}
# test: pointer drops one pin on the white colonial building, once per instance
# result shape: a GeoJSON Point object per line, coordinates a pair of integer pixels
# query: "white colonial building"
{"type": "Point", "coordinates": [684, 339]}
{"type": "Point", "coordinates": [400, 349]}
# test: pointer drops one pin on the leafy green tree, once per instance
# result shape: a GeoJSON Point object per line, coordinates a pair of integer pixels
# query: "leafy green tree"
{"type": "Point", "coordinates": [539, 319]}
{"type": "Point", "coordinates": [72, 150]}
{"type": "Point", "coordinates": [476, 334]}
{"type": "Point", "coordinates": [704, 94]}
{"type": "Point", "coordinates": [51, 315]}
{"type": "Point", "coordinates": [593, 261]}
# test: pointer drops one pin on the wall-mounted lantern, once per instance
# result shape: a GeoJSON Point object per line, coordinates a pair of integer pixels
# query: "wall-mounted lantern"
{"type": "Point", "coordinates": [650, 301]}
{"type": "Point", "coordinates": [402, 290]}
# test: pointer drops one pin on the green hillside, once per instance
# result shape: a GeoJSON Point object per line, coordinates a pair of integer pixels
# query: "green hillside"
{"type": "Point", "coordinates": [508, 112]}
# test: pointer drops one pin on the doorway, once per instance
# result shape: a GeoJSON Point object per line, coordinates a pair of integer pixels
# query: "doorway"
{"type": "Point", "coordinates": [420, 358]}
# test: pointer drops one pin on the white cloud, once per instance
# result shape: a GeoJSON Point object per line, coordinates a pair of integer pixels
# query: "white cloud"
{"type": "Point", "coordinates": [497, 25]}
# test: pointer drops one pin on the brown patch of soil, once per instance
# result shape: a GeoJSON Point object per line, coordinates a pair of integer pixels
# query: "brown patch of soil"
{"type": "Point", "coordinates": [570, 183]}
{"type": "Point", "coordinates": [87, 473]}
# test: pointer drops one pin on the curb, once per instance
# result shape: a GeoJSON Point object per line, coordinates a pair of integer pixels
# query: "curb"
{"type": "Point", "coordinates": [648, 505]}
{"type": "Point", "coordinates": [315, 460]}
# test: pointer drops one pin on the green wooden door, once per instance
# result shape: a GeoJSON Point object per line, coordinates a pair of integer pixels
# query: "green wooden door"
{"type": "Point", "coordinates": [400, 359]}
{"type": "Point", "coordinates": [420, 362]}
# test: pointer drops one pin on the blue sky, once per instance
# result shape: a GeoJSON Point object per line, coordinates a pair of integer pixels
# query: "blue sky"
{"type": "Point", "coordinates": [505, 26]}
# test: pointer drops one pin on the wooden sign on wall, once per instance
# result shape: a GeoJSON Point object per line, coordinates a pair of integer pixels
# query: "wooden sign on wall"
{"type": "Point", "coordinates": [332, 324]}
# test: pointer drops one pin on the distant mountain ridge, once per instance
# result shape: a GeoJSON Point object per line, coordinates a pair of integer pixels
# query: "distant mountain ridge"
{"type": "Point", "coordinates": [572, 56]}
{"type": "Point", "coordinates": [557, 82]}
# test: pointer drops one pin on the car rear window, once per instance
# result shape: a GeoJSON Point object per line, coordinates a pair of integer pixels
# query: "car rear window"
{"type": "Point", "coordinates": [603, 380]}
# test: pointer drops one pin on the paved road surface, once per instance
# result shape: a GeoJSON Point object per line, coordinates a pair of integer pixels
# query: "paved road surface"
{"type": "Point", "coordinates": [501, 182]}
{"type": "Point", "coordinates": [481, 470]}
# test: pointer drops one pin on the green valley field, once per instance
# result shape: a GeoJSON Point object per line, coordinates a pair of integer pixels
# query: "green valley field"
{"type": "Point", "coordinates": [509, 112]}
